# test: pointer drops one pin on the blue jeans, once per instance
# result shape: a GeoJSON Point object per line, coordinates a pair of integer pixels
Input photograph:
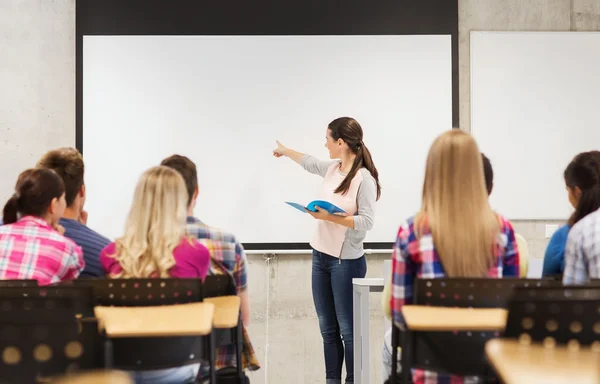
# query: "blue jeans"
{"type": "Point", "coordinates": [332, 294]}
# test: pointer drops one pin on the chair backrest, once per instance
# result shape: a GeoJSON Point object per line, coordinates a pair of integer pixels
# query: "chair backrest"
{"type": "Point", "coordinates": [461, 353]}
{"type": "Point", "coordinates": [472, 292]}
{"type": "Point", "coordinates": [555, 315]}
{"type": "Point", "coordinates": [18, 283]}
{"type": "Point", "coordinates": [150, 353]}
{"type": "Point", "coordinates": [523, 248]}
{"type": "Point", "coordinates": [219, 285]}
{"type": "Point", "coordinates": [47, 300]}
{"type": "Point", "coordinates": [33, 349]}
{"type": "Point", "coordinates": [142, 292]}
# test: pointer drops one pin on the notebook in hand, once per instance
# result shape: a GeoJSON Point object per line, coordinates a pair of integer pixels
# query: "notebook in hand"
{"type": "Point", "coordinates": [317, 203]}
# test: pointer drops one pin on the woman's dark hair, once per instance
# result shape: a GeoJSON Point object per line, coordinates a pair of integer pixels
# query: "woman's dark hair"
{"type": "Point", "coordinates": [35, 190]}
{"type": "Point", "coordinates": [348, 129]}
{"type": "Point", "coordinates": [584, 172]}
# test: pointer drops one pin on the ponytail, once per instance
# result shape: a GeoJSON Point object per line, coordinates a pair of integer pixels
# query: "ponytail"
{"type": "Point", "coordinates": [584, 173]}
{"type": "Point", "coordinates": [363, 158]}
{"type": "Point", "coordinates": [10, 212]}
{"type": "Point", "coordinates": [588, 203]}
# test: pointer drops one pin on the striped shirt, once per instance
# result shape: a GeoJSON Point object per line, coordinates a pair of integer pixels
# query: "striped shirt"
{"type": "Point", "coordinates": [417, 257]}
{"type": "Point", "coordinates": [90, 241]}
{"type": "Point", "coordinates": [32, 249]}
{"type": "Point", "coordinates": [582, 253]}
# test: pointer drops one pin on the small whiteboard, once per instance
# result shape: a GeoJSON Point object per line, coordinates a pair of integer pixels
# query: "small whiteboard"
{"type": "Point", "coordinates": [535, 104]}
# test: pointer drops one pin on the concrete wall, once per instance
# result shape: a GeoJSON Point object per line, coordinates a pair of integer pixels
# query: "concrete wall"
{"type": "Point", "coordinates": [37, 106]}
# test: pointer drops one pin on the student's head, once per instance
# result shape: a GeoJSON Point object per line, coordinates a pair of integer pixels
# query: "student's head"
{"type": "Point", "coordinates": [68, 164]}
{"type": "Point", "coordinates": [39, 193]}
{"type": "Point", "coordinates": [582, 178]}
{"type": "Point", "coordinates": [488, 174]}
{"type": "Point", "coordinates": [455, 205]}
{"type": "Point", "coordinates": [345, 135]}
{"type": "Point", "coordinates": [155, 224]}
{"type": "Point", "coordinates": [187, 169]}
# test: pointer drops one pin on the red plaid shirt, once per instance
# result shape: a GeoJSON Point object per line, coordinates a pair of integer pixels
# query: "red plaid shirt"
{"type": "Point", "coordinates": [32, 249]}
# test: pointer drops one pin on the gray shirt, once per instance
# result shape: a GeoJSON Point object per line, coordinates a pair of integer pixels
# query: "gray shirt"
{"type": "Point", "coordinates": [365, 201]}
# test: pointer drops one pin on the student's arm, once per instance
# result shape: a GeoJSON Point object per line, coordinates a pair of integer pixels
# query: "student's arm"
{"type": "Point", "coordinates": [403, 275]}
{"type": "Point", "coordinates": [72, 262]}
{"type": "Point", "coordinates": [575, 266]}
{"type": "Point", "coordinates": [510, 265]}
{"type": "Point", "coordinates": [308, 162]}
{"type": "Point", "coordinates": [365, 217]}
{"type": "Point", "coordinates": [240, 277]}
{"type": "Point", "coordinates": [554, 257]}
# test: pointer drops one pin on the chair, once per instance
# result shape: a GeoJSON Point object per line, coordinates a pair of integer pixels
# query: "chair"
{"type": "Point", "coordinates": [552, 333]}
{"type": "Point", "coordinates": [18, 283]}
{"type": "Point", "coordinates": [221, 291]}
{"type": "Point", "coordinates": [150, 353]}
{"type": "Point", "coordinates": [555, 316]}
{"type": "Point", "coordinates": [45, 331]}
{"type": "Point", "coordinates": [68, 302]}
{"type": "Point", "coordinates": [429, 350]}
{"type": "Point", "coordinates": [523, 248]}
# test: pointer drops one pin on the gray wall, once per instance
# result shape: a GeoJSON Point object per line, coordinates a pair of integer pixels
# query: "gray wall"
{"type": "Point", "coordinates": [37, 107]}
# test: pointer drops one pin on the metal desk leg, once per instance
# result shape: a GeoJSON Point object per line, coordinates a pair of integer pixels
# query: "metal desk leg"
{"type": "Point", "coordinates": [361, 335]}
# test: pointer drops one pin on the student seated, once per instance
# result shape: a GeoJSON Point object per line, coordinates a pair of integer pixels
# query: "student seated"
{"type": "Point", "coordinates": [68, 164]}
{"type": "Point", "coordinates": [155, 244]}
{"type": "Point", "coordinates": [582, 178]}
{"type": "Point", "coordinates": [31, 242]}
{"type": "Point", "coordinates": [227, 256]}
{"type": "Point", "coordinates": [455, 234]}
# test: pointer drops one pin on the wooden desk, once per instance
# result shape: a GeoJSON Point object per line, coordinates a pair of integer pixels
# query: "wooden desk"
{"type": "Point", "coordinates": [100, 377]}
{"type": "Point", "coordinates": [227, 311]}
{"type": "Point", "coordinates": [193, 319]}
{"type": "Point", "coordinates": [426, 318]}
{"type": "Point", "coordinates": [533, 364]}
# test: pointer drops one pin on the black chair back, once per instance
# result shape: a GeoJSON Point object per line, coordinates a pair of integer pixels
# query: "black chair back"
{"type": "Point", "coordinates": [430, 350]}
{"type": "Point", "coordinates": [18, 283]}
{"type": "Point", "coordinates": [555, 315]}
{"type": "Point", "coordinates": [68, 302]}
{"type": "Point", "coordinates": [219, 285]}
{"type": "Point", "coordinates": [49, 343]}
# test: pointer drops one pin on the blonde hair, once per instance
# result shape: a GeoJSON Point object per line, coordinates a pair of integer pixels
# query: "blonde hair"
{"type": "Point", "coordinates": [456, 208]}
{"type": "Point", "coordinates": [155, 225]}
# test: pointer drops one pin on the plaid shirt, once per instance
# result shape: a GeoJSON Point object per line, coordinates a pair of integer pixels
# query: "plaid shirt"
{"type": "Point", "coordinates": [32, 249]}
{"type": "Point", "coordinates": [417, 257]}
{"type": "Point", "coordinates": [228, 257]}
{"type": "Point", "coordinates": [582, 253]}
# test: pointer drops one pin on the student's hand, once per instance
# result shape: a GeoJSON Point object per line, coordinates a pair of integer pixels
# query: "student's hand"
{"type": "Point", "coordinates": [280, 151]}
{"type": "Point", "coordinates": [321, 214]}
{"type": "Point", "coordinates": [83, 216]}
{"type": "Point", "coordinates": [59, 228]}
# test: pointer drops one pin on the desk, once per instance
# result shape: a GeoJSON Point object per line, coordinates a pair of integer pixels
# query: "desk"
{"type": "Point", "coordinates": [533, 364]}
{"type": "Point", "coordinates": [227, 311]}
{"type": "Point", "coordinates": [194, 319]}
{"type": "Point", "coordinates": [361, 290]}
{"type": "Point", "coordinates": [427, 318]}
{"type": "Point", "coordinates": [99, 377]}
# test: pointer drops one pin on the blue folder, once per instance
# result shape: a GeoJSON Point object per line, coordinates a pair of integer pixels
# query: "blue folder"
{"type": "Point", "coordinates": [317, 203]}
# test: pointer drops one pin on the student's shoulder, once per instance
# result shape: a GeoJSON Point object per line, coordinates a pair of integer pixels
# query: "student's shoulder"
{"type": "Point", "coordinates": [505, 224]}
{"type": "Point", "coordinates": [203, 231]}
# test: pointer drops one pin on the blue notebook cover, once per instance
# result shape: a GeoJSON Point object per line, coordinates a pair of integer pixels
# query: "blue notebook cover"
{"type": "Point", "coordinates": [317, 203]}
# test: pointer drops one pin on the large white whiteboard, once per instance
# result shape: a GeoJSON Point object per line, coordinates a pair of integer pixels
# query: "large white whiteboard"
{"type": "Point", "coordinates": [535, 104]}
{"type": "Point", "coordinates": [224, 100]}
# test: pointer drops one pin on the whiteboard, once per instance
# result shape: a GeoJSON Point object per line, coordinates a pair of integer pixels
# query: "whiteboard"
{"type": "Point", "coordinates": [224, 100]}
{"type": "Point", "coordinates": [535, 104]}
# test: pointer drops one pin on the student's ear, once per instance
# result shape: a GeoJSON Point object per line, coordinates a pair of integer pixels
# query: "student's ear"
{"type": "Point", "coordinates": [577, 191]}
{"type": "Point", "coordinates": [82, 191]}
{"type": "Point", "coordinates": [196, 193]}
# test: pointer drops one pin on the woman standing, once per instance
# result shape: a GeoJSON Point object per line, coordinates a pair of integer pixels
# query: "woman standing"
{"type": "Point", "coordinates": [352, 184]}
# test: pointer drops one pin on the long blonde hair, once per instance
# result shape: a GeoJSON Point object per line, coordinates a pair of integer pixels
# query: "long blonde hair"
{"type": "Point", "coordinates": [456, 208]}
{"type": "Point", "coordinates": [155, 225]}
